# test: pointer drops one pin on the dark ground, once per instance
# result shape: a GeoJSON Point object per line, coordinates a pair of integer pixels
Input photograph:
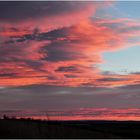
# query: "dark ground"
{"type": "Point", "coordinates": [24, 128]}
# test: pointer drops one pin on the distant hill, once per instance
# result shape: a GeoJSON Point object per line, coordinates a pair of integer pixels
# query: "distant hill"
{"type": "Point", "coordinates": [26, 128]}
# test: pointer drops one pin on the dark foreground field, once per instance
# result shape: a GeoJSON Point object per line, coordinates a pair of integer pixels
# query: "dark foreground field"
{"type": "Point", "coordinates": [13, 128]}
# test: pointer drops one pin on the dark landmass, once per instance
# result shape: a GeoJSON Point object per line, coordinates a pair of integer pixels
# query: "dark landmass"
{"type": "Point", "coordinates": [27, 128]}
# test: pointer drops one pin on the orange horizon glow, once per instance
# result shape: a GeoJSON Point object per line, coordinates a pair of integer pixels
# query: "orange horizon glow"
{"type": "Point", "coordinates": [129, 114]}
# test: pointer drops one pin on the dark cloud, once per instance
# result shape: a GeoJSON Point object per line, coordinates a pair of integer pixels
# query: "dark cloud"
{"type": "Point", "coordinates": [11, 53]}
{"type": "Point", "coordinates": [67, 69]}
{"type": "Point", "coordinates": [131, 87]}
{"type": "Point", "coordinates": [44, 97]}
{"type": "Point", "coordinates": [53, 35]}
{"type": "Point", "coordinates": [59, 52]}
{"type": "Point", "coordinates": [70, 76]}
{"type": "Point", "coordinates": [8, 74]}
{"type": "Point", "coordinates": [136, 73]}
{"type": "Point", "coordinates": [109, 79]}
{"type": "Point", "coordinates": [17, 11]}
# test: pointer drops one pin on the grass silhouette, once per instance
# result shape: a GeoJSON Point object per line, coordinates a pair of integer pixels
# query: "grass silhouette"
{"type": "Point", "coordinates": [11, 127]}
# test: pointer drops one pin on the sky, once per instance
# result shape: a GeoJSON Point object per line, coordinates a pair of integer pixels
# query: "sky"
{"type": "Point", "coordinates": [70, 60]}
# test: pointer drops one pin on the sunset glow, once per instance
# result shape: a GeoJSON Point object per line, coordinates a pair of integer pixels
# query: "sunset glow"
{"type": "Point", "coordinates": [70, 55]}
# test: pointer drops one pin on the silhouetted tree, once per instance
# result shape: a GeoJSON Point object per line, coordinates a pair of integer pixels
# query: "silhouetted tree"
{"type": "Point", "coordinates": [5, 117]}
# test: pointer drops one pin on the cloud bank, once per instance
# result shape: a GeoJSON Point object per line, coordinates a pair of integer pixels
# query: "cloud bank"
{"type": "Point", "coordinates": [61, 43]}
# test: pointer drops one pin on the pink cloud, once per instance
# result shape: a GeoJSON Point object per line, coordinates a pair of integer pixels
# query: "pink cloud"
{"type": "Point", "coordinates": [83, 114]}
{"type": "Point", "coordinates": [72, 41]}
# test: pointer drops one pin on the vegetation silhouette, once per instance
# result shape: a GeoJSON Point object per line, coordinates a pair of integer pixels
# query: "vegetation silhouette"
{"type": "Point", "coordinates": [13, 127]}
